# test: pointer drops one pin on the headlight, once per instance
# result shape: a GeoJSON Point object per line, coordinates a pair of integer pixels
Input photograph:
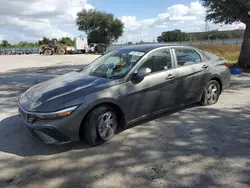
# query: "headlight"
{"type": "Point", "coordinates": [54, 115]}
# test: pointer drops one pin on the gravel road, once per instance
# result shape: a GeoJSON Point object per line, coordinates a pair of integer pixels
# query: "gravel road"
{"type": "Point", "coordinates": [187, 148]}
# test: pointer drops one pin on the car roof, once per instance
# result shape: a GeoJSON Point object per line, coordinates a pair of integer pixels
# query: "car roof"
{"type": "Point", "coordinates": [147, 47]}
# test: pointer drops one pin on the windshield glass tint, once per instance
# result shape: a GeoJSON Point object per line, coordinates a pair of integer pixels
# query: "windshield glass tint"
{"type": "Point", "coordinates": [115, 65]}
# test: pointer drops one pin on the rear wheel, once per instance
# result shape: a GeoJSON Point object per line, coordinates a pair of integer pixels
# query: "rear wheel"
{"type": "Point", "coordinates": [211, 94]}
{"type": "Point", "coordinates": [100, 125]}
{"type": "Point", "coordinates": [47, 52]}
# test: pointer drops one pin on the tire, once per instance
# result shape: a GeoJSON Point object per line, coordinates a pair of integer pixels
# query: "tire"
{"type": "Point", "coordinates": [97, 123]}
{"type": "Point", "coordinates": [47, 52]}
{"type": "Point", "coordinates": [211, 93]}
{"type": "Point", "coordinates": [61, 51]}
{"type": "Point", "coordinates": [98, 49]}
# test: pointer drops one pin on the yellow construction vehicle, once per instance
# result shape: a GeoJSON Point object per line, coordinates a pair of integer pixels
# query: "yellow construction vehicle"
{"type": "Point", "coordinates": [52, 48]}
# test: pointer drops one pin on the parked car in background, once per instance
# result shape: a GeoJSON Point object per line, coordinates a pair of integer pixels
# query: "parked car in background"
{"type": "Point", "coordinates": [119, 88]}
{"type": "Point", "coordinates": [2, 52]}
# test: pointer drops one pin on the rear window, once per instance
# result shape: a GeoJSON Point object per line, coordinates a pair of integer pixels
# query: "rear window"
{"type": "Point", "coordinates": [210, 56]}
{"type": "Point", "coordinates": [187, 56]}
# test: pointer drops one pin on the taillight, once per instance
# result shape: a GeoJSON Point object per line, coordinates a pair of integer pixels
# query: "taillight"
{"type": "Point", "coordinates": [226, 65]}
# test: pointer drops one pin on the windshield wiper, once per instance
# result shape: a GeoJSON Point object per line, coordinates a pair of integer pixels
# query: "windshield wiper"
{"type": "Point", "coordinates": [85, 67]}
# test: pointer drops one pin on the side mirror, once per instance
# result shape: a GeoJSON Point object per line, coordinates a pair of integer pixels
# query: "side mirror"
{"type": "Point", "coordinates": [141, 73]}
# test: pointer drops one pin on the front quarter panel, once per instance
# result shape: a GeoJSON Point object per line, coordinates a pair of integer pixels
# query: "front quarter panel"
{"type": "Point", "coordinates": [109, 95]}
{"type": "Point", "coordinates": [70, 125]}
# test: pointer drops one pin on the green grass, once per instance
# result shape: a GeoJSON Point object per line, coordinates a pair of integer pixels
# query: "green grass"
{"type": "Point", "coordinates": [229, 52]}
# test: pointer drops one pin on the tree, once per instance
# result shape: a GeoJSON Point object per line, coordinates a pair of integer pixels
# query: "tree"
{"type": "Point", "coordinates": [66, 41]}
{"type": "Point", "coordinates": [100, 27]}
{"type": "Point", "coordinates": [5, 44]}
{"type": "Point", "coordinates": [216, 34]}
{"type": "Point", "coordinates": [45, 40]}
{"type": "Point", "coordinates": [173, 36]}
{"type": "Point", "coordinates": [228, 12]}
{"type": "Point", "coordinates": [23, 44]}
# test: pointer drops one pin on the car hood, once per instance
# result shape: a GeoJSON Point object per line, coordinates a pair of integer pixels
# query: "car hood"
{"type": "Point", "coordinates": [63, 89]}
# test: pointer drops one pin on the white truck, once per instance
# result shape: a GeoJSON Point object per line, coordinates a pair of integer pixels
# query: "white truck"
{"type": "Point", "coordinates": [82, 46]}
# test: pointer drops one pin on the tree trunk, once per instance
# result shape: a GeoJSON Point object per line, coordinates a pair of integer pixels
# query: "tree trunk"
{"type": "Point", "coordinates": [244, 59]}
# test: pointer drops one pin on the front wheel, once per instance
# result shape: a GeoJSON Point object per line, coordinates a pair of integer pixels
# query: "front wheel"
{"type": "Point", "coordinates": [100, 125]}
{"type": "Point", "coordinates": [211, 93]}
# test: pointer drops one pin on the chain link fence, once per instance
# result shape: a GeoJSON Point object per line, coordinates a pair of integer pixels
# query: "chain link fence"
{"type": "Point", "coordinates": [190, 43]}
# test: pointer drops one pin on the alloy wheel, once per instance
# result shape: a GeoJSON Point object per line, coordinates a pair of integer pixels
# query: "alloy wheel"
{"type": "Point", "coordinates": [212, 94]}
{"type": "Point", "coordinates": [107, 125]}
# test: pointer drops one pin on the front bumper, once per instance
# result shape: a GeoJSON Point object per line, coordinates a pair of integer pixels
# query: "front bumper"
{"type": "Point", "coordinates": [48, 135]}
{"type": "Point", "coordinates": [58, 131]}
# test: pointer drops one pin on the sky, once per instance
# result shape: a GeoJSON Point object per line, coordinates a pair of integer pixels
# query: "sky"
{"type": "Point", "coordinates": [30, 20]}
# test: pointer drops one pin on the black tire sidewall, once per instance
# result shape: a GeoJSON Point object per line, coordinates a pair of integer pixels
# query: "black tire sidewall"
{"type": "Point", "coordinates": [91, 124]}
{"type": "Point", "coordinates": [62, 51]}
{"type": "Point", "coordinates": [47, 50]}
{"type": "Point", "coordinates": [204, 101]}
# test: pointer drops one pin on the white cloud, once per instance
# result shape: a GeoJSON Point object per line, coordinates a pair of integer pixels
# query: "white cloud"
{"type": "Point", "coordinates": [196, 9]}
{"type": "Point", "coordinates": [130, 23]}
{"type": "Point", "coordinates": [1, 37]}
{"type": "Point", "coordinates": [176, 13]}
{"type": "Point", "coordinates": [223, 27]}
{"type": "Point", "coordinates": [34, 19]}
{"type": "Point", "coordinates": [189, 18]}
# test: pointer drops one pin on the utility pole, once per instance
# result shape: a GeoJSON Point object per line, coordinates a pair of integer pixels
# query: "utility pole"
{"type": "Point", "coordinates": [140, 32]}
{"type": "Point", "coordinates": [206, 28]}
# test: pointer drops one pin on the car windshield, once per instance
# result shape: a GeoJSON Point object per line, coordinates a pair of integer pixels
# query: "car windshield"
{"type": "Point", "coordinates": [115, 64]}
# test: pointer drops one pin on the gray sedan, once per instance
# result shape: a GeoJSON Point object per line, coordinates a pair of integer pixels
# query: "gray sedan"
{"type": "Point", "coordinates": [119, 88]}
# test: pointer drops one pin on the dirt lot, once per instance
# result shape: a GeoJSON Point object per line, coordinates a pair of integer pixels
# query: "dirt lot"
{"type": "Point", "coordinates": [191, 147]}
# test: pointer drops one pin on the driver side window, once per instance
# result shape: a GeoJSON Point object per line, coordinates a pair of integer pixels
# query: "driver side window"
{"type": "Point", "coordinates": [159, 60]}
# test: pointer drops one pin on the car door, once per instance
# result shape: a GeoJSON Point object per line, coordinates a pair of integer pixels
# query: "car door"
{"type": "Point", "coordinates": [191, 74]}
{"type": "Point", "coordinates": [155, 91]}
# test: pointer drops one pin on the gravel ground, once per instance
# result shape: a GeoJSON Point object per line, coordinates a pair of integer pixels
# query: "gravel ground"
{"type": "Point", "coordinates": [190, 147]}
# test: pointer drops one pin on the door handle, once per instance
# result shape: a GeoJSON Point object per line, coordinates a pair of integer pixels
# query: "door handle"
{"type": "Point", "coordinates": [170, 77]}
{"type": "Point", "coordinates": [205, 66]}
